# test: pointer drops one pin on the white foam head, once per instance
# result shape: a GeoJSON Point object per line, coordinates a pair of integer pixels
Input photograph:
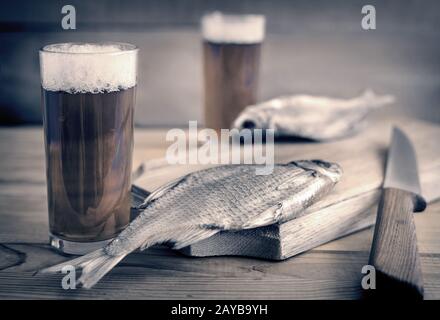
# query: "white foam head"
{"type": "Point", "coordinates": [88, 67]}
{"type": "Point", "coordinates": [218, 27]}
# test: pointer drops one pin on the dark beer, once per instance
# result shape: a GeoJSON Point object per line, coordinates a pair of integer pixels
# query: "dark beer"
{"type": "Point", "coordinates": [231, 51]}
{"type": "Point", "coordinates": [89, 144]}
{"type": "Point", "coordinates": [231, 81]}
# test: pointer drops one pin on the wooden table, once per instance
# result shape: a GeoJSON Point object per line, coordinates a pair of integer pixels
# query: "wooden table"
{"type": "Point", "coordinates": [330, 271]}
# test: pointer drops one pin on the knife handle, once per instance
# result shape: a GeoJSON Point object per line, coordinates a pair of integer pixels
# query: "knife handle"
{"type": "Point", "coordinates": [394, 252]}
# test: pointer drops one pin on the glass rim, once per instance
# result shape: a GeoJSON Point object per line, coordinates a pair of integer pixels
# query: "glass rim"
{"type": "Point", "coordinates": [233, 16]}
{"type": "Point", "coordinates": [125, 48]}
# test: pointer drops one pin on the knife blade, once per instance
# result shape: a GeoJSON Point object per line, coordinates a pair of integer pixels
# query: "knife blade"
{"type": "Point", "coordinates": [394, 252]}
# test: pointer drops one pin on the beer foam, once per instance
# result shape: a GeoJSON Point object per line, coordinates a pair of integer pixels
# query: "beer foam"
{"type": "Point", "coordinates": [246, 29]}
{"type": "Point", "coordinates": [88, 67]}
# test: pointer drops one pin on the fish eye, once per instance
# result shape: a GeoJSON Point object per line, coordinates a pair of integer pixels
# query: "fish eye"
{"type": "Point", "coordinates": [248, 124]}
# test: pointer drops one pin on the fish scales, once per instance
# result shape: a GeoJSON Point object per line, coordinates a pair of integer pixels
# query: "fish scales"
{"type": "Point", "coordinates": [206, 202]}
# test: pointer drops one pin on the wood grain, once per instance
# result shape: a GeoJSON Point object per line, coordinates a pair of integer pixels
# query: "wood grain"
{"type": "Point", "coordinates": [394, 251]}
{"type": "Point", "coordinates": [330, 271]}
{"type": "Point", "coordinates": [163, 274]}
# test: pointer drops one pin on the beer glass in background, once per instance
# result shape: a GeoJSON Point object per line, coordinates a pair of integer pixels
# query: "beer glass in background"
{"type": "Point", "coordinates": [88, 97]}
{"type": "Point", "coordinates": [231, 51]}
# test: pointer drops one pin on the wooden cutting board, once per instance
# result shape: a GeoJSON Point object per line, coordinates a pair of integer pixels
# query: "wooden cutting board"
{"type": "Point", "coordinates": [349, 208]}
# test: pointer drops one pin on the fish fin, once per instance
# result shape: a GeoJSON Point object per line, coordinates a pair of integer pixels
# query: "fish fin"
{"type": "Point", "coordinates": [138, 195]}
{"type": "Point", "coordinates": [193, 236]}
{"type": "Point", "coordinates": [161, 190]}
{"type": "Point", "coordinates": [94, 266]}
{"type": "Point", "coordinates": [180, 237]}
{"type": "Point", "coordinates": [265, 218]}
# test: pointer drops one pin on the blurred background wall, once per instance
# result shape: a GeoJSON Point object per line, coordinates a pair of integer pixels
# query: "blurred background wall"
{"type": "Point", "coordinates": [312, 46]}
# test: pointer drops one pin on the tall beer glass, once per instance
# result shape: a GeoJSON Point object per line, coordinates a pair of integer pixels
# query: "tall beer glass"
{"type": "Point", "coordinates": [231, 51]}
{"type": "Point", "coordinates": [88, 97]}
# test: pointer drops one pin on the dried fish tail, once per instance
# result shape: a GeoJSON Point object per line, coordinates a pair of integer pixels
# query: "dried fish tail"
{"type": "Point", "coordinates": [97, 264]}
{"type": "Point", "coordinates": [94, 266]}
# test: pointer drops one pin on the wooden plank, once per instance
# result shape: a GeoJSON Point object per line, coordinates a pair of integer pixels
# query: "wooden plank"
{"type": "Point", "coordinates": [162, 274]}
{"type": "Point", "coordinates": [427, 226]}
{"type": "Point", "coordinates": [329, 271]}
{"type": "Point", "coordinates": [349, 208]}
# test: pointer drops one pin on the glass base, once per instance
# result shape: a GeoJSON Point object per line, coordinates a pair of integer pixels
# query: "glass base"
{"type": "Point", "coordinates": [76, 248]}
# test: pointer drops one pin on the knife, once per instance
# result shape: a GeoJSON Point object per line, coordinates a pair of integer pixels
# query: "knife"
{"type": "Point", "coordinates": [394, 252]}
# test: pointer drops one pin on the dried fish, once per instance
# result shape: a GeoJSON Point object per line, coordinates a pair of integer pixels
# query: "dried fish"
{"type": "Point", "coordinates": [206, 202]}
{"type": "Point", "coordinates": [312, 117]}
